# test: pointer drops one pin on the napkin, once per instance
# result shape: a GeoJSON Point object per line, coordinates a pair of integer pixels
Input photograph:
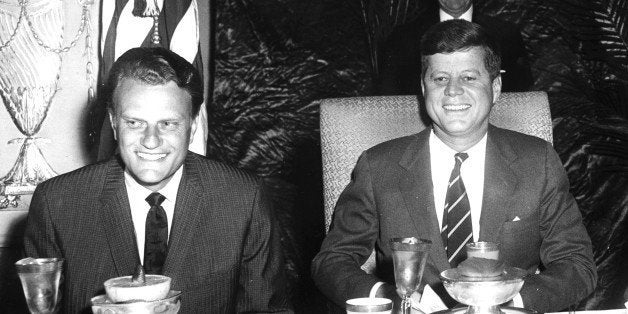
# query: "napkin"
{"type": "Point", "coordinates": [430, 302]}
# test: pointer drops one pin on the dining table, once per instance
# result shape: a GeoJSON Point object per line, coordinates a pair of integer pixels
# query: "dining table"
{"type": "Point", "coordinates": [617, 311]}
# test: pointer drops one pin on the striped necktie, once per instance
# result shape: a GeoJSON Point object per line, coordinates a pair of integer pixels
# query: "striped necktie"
{"type": "Point", "coordinates": [156, 241]}
{"type": "Point", "coordinates": [457, 229]}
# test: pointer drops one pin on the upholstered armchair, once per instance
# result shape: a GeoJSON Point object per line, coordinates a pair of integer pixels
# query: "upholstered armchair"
{"type": "Point", "coordinates": [349, 126]}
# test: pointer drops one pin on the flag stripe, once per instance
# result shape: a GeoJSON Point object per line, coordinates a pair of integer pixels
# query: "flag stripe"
{"type": "Point", "coordinates": [185, 37]}
{"type": "Point", "coordinates": [178, 29]}
{"type": "Point", "coordinates": [132, 30]}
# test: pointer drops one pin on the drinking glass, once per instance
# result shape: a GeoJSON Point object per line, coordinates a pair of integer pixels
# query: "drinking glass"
{"type": "Point", "coordinates": [488, 250]}
{"type": "Point", "coordinates": [409, 258]}
{"type": "Point", "coordinates": [40, 279]}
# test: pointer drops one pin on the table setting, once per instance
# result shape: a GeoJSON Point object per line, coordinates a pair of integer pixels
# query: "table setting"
{"type": "Point", "coordinates": [138, 294]}
{"type": "Point", "coordinates": [482, 283]}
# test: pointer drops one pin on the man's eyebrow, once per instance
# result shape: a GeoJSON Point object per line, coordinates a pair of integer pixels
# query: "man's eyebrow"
{"type": "Point", "coordinates": [432, 73]}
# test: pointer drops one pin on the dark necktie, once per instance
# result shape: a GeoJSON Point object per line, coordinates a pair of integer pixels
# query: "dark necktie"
{"type": "Point", "coordinates": [156, 242]}
{"type": "Point", "coordinates": [457, 229]}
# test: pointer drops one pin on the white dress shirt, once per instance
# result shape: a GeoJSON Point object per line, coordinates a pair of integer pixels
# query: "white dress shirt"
{"type": "Point", "coordinates": [442, 162]}
{"type": "Point", "coordinates": [465, 16]}
{"type": "Point", "coordinates": [139, 207]}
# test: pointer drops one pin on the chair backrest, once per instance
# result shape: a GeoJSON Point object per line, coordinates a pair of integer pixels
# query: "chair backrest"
{"type": "Point", "coordinates": [349, 126]}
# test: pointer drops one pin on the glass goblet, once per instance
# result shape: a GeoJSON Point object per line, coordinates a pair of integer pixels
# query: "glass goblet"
{"type": "Point", "coordinates": [409, 258]}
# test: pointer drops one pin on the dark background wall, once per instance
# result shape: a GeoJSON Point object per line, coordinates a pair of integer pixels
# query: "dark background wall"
{"type": "Point", "coordinates": [274, 58]}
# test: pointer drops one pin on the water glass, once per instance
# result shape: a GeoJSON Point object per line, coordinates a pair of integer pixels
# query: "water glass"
{"type": "Point", "coordinates": [409, 258]}
{"type": "Point", "coordinates": [40, 279]}
{"type": "Point", "coordinates": [488, 250]}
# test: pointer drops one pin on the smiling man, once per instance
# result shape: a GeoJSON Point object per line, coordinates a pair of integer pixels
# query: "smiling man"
{"type": "Point", "coordinates": [203, 223]}
{"type": "Point", "coordinates": [462, 180]}
{"type": "Point", "coordinates": [399, 53]}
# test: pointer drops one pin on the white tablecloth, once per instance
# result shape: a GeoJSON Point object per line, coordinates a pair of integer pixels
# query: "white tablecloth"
{"type": "Point", "coordinates": [621, 311]}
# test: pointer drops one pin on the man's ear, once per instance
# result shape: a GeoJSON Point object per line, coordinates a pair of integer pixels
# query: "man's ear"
{"type": "Point", "coordinates": [112, 119]}
{"type": "Point", "coordinates": [497, 88]}
{"type": "Point", "coordinates": [193, 128]}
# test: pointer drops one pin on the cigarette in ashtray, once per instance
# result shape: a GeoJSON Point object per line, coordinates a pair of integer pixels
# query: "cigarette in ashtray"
{"type": "Point", "coordinates": [137, 288]}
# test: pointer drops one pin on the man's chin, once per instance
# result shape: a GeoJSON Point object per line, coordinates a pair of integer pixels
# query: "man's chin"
{"type": "Point", "coordinates": [151, 179]}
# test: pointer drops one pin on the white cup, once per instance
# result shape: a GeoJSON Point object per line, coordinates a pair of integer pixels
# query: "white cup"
{"type": "Point", "coordinates": [369, 305]}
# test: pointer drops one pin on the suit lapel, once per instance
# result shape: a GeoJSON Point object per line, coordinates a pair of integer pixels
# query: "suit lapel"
{"type": "Point", "coordinates": [115, 215]}
{"type": "Point", "coordinates": [416, 187]}
{"type": "Point", "coordinates": [499, 183]}
{"type": "Point", "coordinates": [186, 216]}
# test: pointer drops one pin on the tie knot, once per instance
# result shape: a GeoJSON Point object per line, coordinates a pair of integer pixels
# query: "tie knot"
{"type": "Point", "coordinates": [460, 157]}
{"type": "Point", "coordinates": [155, 199]}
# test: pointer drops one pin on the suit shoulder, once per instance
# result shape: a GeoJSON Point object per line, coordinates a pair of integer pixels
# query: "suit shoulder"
{"type": "Point", "coordinates": [82, 177]}
{"type": "Point", "coordinates": [229, 174]}
{"type": "Point", "coordinates": [521, 142]}
{"type": "Point", "coordinates": [394, 146]}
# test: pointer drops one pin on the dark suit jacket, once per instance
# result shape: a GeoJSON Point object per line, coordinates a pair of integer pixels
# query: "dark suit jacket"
{"type": "Point", "coordinates": [223, 252]}
{"type": "Point", "coordinates": [391, 195]}
{"type": "Point", "coordinates": [400, 63]}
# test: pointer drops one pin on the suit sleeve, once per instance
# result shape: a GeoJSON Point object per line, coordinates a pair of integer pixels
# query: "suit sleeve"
{"type": "Point", "coordinates": [350, 241]}
{"type": "Point", "coordinates": [39, 237]}
{"type": "Point", "coordinates": [262, 281]}
{"type": "Point", "coordinates": [568, 272]}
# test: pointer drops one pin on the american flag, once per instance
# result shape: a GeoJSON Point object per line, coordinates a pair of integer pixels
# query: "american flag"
{"type": "Point", "coordinates": [178, 30]}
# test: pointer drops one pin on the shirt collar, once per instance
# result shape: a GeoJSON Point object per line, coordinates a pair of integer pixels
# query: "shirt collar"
{"type": "Point", "coordinates": [440, 149]}
{"type": "Point", "coordinates": [465, 16]}
{"type": "Point", "coordinates": [169, 190]}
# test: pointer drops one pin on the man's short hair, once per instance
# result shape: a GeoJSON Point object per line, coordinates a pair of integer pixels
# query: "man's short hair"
{"type": "Point", "coordinates": [459, 35]}
{"type": "Point", "coordinates": [155, 66]}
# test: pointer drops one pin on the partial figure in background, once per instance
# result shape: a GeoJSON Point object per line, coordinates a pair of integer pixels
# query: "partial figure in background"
{"type": "Point", "coordinates": [205, 224]}
{"type": "Point", "coordinates": [400, 61]}
{"type": "Point", "coordinates": [462, 180]}
{"type": "Point", "coordinates": [181, 26]}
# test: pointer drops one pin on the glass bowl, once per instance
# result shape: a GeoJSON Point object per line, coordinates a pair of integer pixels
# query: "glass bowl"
{"type": "Point", "coordinates": [483, 294]}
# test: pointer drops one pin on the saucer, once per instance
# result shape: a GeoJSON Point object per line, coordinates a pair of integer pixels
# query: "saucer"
{"type": "Point", "coordinates": [169, 305]}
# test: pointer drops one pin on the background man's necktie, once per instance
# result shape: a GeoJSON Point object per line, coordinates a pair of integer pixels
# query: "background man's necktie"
{"type": "Point", "coordinates": [156, 242]}
{"type": "Point", "coordinates": [457, 229]}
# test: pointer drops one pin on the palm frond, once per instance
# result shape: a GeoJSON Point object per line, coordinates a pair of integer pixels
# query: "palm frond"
{"type": "Point", "coordinates": [594, 154]}
{"type": "Point", "coordinates": [599, 32]}
{"type": "Point", "coordinates": [616, 22]}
